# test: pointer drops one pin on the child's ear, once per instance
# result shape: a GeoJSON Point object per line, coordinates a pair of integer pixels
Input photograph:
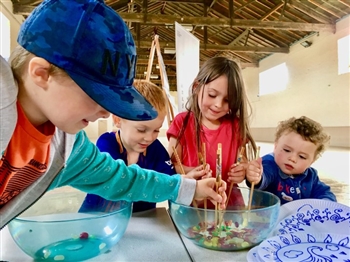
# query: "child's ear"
{"type": "Point", "coordinates": [116, 120]}
{"type": "Point", "coordinates": [38, 71]}
{"type": "Point", "coordinates": [195, 85]}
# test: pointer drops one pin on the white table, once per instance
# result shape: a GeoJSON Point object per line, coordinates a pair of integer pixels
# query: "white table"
{"type": "Point", "coordinates": [150, 236]}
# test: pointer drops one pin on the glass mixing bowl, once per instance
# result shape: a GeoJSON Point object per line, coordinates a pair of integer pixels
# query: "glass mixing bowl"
{"type": "Point", "coordinates": [235, 228]}
{"type": "Point", "coordinates": [53, 229]}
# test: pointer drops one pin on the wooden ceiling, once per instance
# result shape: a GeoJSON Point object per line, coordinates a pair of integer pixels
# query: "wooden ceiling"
{"type": "Point", "coordinates": [245, 30]}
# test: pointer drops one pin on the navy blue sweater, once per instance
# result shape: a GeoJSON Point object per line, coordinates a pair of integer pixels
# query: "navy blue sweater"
{"type": "Point", "coordinates": [289, 188]}
{"type": "Point", "coordinates": [156, 158]}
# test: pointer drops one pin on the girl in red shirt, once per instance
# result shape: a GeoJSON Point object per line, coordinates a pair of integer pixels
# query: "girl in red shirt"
{"type": "Point", "coordinates": [217, 112]}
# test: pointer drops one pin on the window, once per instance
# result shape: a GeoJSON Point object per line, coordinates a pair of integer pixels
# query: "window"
{"type": "Point", "coordinates": [4, 36]}
{"type": "Point", "coordinates": [344, 55]}
{"type": "Point", "coordinates": [273, 80]}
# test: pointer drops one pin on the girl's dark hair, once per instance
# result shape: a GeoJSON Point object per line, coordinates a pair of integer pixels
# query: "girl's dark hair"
{"type": "Point", "coordinates": [238, 102]}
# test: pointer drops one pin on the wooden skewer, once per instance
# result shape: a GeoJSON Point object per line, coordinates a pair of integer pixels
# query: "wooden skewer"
{"type": "Point", "coordinates": [253, 184]}
{"type": "Point", "coordinates": [239, 160]}
{"type": "Point", "coordinates": [204, 163]}
{"type": "Point", "coordinates": [251, 196]}
{"type": "Point", "coordinates": [178, 161]}
{"type": "Point", "coordinates": [183, 173]}
{"type": "Point", "coordinates": [218, 179]}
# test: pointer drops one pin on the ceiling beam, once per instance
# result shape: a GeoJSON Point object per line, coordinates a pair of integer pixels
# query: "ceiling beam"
{"type": "Point", "coordinates": [206, 21]}
{"type": "Point", "coordinates": [166, 62]}
{"type": "Point", "coordinates": [173, 63]}
{"type": "Point", "coordinates": [226, 22]}
{"type": "Point", "coordinates": [213, 47]}
{"type": "Point", "coordinates": [309, 11]}
{"type": "Point", "coordinates": [188, 1]}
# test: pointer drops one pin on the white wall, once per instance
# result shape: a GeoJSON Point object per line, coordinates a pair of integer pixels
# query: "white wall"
{"type": "Point", "coordinates": [315, 89]}
{"type": "Point", "coordinates": [15, 20]}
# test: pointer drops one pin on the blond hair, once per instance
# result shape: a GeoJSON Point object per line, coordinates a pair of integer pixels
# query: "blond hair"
{"type": "Point", "coordinates": [19, 60]}
{"type": "Point", "coordinates": [308, 129]}
{"type": "Point", "coordinates": [153, 94]}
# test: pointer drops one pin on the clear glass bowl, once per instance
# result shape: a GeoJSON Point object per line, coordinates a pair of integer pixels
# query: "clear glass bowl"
{"type": "Point", "coordinates": [236, 228]}
{"type": "Point", "coordinates": [53, 229]}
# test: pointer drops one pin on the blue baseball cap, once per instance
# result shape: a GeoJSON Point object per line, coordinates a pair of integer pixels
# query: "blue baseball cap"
{"type": "Point", "coordinates": [92, 43]}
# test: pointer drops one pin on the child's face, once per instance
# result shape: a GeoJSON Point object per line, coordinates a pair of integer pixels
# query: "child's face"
{"type": "Point", "coordinates": [293, 154]}
{"type": "Point", "coordinates": [68, 107]}
{"type": "Point", "coordinates": [138, 135]}
{"type": "Point", "coordinates": [214, 103]}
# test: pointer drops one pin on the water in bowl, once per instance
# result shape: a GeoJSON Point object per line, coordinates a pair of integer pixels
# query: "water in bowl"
{"type": "Point", "coordinates": [71, 244]}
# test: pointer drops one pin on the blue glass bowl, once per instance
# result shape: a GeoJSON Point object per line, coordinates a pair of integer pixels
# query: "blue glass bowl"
{"type": "Point", "coordinates": [53, 229]}
{"type": "Point", "coordinates": [236, 228]}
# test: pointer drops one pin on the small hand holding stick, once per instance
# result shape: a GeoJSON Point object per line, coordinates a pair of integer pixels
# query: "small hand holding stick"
{"type": "Point", "coordinates": [253, 184]}
{"type": "Point", "coordinates": [239, 160]}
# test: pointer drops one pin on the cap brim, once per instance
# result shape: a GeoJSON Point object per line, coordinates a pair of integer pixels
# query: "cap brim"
{"type": "Point", "coordinates": [125, 102]}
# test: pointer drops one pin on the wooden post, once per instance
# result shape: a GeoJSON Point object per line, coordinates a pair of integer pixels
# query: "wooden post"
{"type": "Point", "coordinates": [163, 75]}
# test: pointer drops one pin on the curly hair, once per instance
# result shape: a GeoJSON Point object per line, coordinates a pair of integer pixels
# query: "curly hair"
{"type": "Point", "coordinates": [308, 129]}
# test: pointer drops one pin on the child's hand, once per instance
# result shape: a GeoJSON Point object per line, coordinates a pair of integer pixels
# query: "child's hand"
{"type": "Point", "coordinates": [199, 173]}
{"type": "Point", "coordinates": [254, 171]}
{"type": "Point", "coordinates": [206, 189]}
{"type": "Point", "coordinates": [237, 173]}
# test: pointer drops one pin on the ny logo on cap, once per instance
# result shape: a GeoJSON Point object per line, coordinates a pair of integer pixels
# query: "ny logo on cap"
{"type": "Point", "coordinates": [107, 60]}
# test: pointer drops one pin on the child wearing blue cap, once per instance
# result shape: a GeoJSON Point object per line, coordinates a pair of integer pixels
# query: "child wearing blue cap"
{"type": "Point", "coordinates": [75, 63]}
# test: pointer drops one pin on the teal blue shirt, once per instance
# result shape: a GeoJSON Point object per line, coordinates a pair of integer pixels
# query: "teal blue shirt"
{"type": "Point", "coordinates": [91, 171]}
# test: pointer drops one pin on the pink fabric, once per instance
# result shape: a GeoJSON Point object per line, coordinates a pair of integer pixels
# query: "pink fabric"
{"type": "Point", "coordinates": [225, 134]}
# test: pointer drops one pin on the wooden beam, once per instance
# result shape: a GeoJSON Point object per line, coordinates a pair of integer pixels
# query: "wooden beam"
{"type": "Point", "coordinates": [173, 63]}
{"type": "Point", "coordinates": [244, 49]}
{"type": "Point", "coordinates": [166, 62]}
{"type": "Point", "coordinates": [309, 11]}
{"type": "Point", "coordinates": [156, 81]}
{"type": "Point", "coordinates": [225, 22]}
{"type": "Point", "coordinates": [206, 21]}
{"type": "Point", "coordinates": [322, 6]}
{"type": "Point", "coordinates": [243, 6]}
{"type": "Point", "coordinates": [271, 12]}
{"type": "Point", "coordinates": [120, 4]}
{"type": "Point", "coordinates": [345, 2]}
{"type": "Point", "coordinates": [188, 1]}
{"type": "Point", "coordinates": [19, 9]}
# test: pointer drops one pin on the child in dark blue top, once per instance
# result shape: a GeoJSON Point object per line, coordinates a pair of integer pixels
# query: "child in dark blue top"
{"type": "Point", "coordinates": [286, 172]}
{"type": "Point", "coordinates": [136, 143]}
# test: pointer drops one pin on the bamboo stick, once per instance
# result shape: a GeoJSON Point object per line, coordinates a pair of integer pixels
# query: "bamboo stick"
{"type": "Point", "coordinates": [253, 184]}
{"type": "Point", "coordinates": [218, 180]}
{"type": "Point", "coordinates": [178, 160]}
{"type": "Point", "coordinates": [203, 160]}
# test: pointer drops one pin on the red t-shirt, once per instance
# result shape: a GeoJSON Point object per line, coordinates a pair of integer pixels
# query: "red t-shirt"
{"type": "Point", "coordinates": [226, 134]}
{"type": "Point", "coordinates": [25, 158]}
